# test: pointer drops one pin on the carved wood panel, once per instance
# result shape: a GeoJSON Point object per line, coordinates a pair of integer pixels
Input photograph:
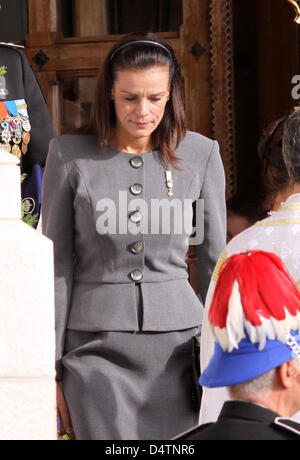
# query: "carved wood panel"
{"type": "Point", "coordinates": [222, 81]}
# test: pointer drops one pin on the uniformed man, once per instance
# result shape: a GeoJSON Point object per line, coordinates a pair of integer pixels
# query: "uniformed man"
{"type": "Point", "coordinates": [255, 321]}
{"type": "Point", "coordinates": [25, 125]}
{"type": "Point", "coordinates": [279, 234]}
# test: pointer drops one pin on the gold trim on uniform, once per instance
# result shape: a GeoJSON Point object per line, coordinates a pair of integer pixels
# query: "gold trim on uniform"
{"type": "Point", "coordinates": [298, 284]}
{"type": "Point", "coordinates": [221, 261]}
{"type": "Point", "coordinates": [277, 222]}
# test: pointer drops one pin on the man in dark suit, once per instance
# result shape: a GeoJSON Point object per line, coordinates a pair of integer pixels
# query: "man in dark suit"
{"type": "Point", "coordinates": [245, 421]}
{"type": "Point", "coordinates": [25, 125]}
{"type": "Point", "coordinates": [255, 319]}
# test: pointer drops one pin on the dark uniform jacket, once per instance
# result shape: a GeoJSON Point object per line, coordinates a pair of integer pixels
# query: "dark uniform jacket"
{"type": "Point", "coordinates": [242, 420]}
{"type": "Point", "coordinates": [20, 83]}
{"type": "Point", "coordinates": [25, 125]}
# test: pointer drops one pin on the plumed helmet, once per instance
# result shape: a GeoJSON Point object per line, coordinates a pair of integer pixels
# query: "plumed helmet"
{"type": "Point", "coordinates": [254, 318]}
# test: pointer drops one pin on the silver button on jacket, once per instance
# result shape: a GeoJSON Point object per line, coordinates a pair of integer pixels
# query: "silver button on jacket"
{"type": "Point", "coordinates": [95, 273]}
{"type": "Point", "coordinates": [136, 162]}
{"type": "Point", "coordinates": [136, 275]}
{"type": "Point", "coordinates": [136, 217]}
{"type": "Point", "coordinates": [136, 189]}
{"type": "Point", "coordinates": [137, 247]}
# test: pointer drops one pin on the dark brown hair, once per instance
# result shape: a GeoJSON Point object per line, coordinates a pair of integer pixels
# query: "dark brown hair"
{"type": "Point", "coordinates": [250, 207]}
{"type": "Point", "coordinates": [138, 56]}
{"type": "Point", "coordinates": [274, 175]}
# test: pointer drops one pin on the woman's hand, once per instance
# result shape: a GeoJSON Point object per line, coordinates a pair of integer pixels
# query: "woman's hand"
{"type": "Point", "coordinates": [63, 412]}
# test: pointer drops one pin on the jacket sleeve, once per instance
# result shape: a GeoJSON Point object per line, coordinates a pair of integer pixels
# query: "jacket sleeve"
{"type": "Point", "coordinates": [57, 218]}
{"type": "Point", "coordinates": [214, 237]}
{"type": "Point", "coordinates": [41, 126]}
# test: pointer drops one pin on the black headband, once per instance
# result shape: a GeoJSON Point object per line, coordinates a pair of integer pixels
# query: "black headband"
{"type": "Point", "coordinates": [142, 42]}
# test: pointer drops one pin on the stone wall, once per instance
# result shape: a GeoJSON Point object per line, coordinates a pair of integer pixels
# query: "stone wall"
{"type": "Point", "coordinates": [27, 338]}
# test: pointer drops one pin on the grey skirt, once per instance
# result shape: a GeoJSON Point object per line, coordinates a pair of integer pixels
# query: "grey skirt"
{"type": "Point", "coordinates": [129, 386]}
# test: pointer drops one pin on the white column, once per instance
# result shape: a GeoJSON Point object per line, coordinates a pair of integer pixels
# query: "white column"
{"type": "Point", "coordinates": [27, 337]}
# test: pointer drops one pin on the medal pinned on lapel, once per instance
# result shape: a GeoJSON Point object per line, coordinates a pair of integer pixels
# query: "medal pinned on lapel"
{"type": "Point", "coordinates": [5, 135]}
{"type": "Point", "coordinates": [15, 127]}
{"type": "Point", "coordinates": [26, 124]}
{"type": "Point", "coordinates": [24, 148]}
{"type": "Point", "coordinates": [16, 151]}
{"type": "Point", "coordinates": [26, 140]}
{"type": "Point", "coordinates": [26, 137]}
{"type": "Point", "coordinates": [170, 182]}
{"type": "Point", "coordinates": [23, 113]}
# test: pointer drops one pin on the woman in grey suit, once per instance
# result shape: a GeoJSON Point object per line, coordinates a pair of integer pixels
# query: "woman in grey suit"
{"type": "Point", "coordinates": [118, 204]}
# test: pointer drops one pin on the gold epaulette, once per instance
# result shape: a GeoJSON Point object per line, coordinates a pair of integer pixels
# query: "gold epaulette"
{"type": "Point", "coordinates": [221, 261]}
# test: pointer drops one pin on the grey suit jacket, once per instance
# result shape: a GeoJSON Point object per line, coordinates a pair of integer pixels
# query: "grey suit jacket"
{"type": "Point", "coordinates": [96, 268]}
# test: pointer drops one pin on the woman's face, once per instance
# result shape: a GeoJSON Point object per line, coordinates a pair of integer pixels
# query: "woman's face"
{"type": "Point", "coordinates": [140, 98]}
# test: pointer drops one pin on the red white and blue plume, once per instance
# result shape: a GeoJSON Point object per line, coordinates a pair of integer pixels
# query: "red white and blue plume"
{"type": "Point", "coordinates": [254, 295]}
